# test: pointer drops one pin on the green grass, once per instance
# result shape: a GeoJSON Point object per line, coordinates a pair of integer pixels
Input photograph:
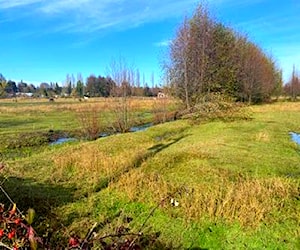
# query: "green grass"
{"type": "Point", "coordinates": [237, 183]}
{"type": "Point", "coordinates": [28, 124]}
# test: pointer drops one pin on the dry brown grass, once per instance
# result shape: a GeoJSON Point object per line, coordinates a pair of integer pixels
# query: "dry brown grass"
{"type": "Point", "coordinates": [139, 186]}
{"type": "Point", "coordinates": [19, 109]}
{"type": "Point", "coordinates": [262, 136]}
{"type": "Point", "coordinates": [248, 201]}
{"type": "Point", "coordinates": [279, 106]}
{"type": "Point", "coordinates": [70, 104]}
{"type": "Point", "coordinates": [84, 162]}
{"type": "Point", "coordinates": [92, 163]}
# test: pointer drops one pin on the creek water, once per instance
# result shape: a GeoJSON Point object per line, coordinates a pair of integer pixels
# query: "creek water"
{"type": "Point", "coordinates": [295, 137]}
{"type": "Point", "coordinates": [63, 140]}
{"type": "Point", "coordinates": [132, 129]}
{"type": "Point", "coordinates": [140, 127]}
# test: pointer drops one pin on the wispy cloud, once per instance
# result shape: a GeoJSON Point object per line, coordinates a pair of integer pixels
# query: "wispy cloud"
{"type": "Point", "coordinates": [163, 43]}
{"type": "Point", "coordinates": [87, 16]}
{"type": "Point", "coordinates": [78, 23]}
{"type": "Point", "coordinates": [93, 15]}
{"type": "Point", "coordinates": [6, 4]}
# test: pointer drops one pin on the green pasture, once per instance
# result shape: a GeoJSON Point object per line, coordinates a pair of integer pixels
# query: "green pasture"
{"type": "Point", "coordinates": [236, 183]}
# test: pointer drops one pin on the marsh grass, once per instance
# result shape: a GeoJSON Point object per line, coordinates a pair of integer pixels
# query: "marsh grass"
{"type": "Point", "coordinates": [248, 201]}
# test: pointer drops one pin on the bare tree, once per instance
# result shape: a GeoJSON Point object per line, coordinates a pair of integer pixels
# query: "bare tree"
{"type": "Point", "coordinates": [79, 77]}
{"type": "Point", "coordinates": [189, 56]}
{"type": "Point", "coordinates": [152, 80]}
{"type": "Point", "coordinates": [138, 78]}
{"type": "Point", "coordinates": [3, 85]}
{"type": "Point", "coordinates": [137, 89]}
{"type": "Point", "coordinates": [144, 80]}
{"type": "Point", "coordinates": [124, 77]}
{"type": "Point", "coordinates": [292, 88]}
{"type": "Point", "coordinates": [258, 74]}
{"type": "Point", "coordinates": [178, 70]}
{"type": "Point", "coordinates": [295, 84]}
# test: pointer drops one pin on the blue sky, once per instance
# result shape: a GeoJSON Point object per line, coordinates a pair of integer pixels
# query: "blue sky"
{"type": "Point", "coordinates": [44, 40]}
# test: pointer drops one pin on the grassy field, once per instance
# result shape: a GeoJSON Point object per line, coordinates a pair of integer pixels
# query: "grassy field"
{"type": "Point", "coordinates": [236, 183]}
{"type": "Point", "coordinates": [32, 123]}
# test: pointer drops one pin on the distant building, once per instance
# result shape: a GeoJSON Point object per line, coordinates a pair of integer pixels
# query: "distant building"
{"type": "Point", "coordinates": [19, 94]}
{"type": "Point", "coordinates": [161, 95]}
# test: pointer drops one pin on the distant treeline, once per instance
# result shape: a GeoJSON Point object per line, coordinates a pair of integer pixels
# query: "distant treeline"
{"type": "Point", "coordinates": [94, 86]}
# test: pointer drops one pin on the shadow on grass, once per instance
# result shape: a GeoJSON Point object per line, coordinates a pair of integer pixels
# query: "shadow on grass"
{"type": "Point", "coordinates": [197, 248]}
{"type": "Point", "coordinates": [43, 198]}
{"type": "Point", "coordinates": [159, 147]}
{"type": "Point", "coordinates": [27, 193]}
{"type": "Point", "coordinates": [151, 152]}
{"type": "Point", "coordinates": [15, 123]}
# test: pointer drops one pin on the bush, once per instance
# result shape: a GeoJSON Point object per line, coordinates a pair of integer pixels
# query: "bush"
{"type": "Point", "coordinates": [216, 106]}
{"type": "Point", "coordinates": [91, 123]}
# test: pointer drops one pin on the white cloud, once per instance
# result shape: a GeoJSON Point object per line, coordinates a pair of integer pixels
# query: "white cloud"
{"type": "Point", "coordinates": [88, 16]}
{"type": "Point", "coordinates": [163, 43]}
{"type": "Point", "coordinates": [92, 15]}
{"type": "Point", "coordinates": [56, 7]}
{"type": "Point", "coordinates": [6, 4]}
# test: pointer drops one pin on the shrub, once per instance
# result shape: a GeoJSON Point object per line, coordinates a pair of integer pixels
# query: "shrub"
{"type": "Point", "coordinates": [90, 122]}
{"type": "Point", "coordinates": [216, 106]}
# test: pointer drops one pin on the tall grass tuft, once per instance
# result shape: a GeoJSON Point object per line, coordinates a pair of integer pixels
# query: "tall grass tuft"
{"type": "Point", "coordinates": [95, 165]}
{"type": "Point", "coordinates": [248, 201]}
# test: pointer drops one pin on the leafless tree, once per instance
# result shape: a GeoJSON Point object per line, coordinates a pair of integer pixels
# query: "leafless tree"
{"type": "Point", "coordinates": [178, 70]}
{"type": "Point", "coordinates": [292, 88]}
{"type": "Point", "coordinates": [3, 85]}
{"type": "Point", "coordinates": [124, 77]}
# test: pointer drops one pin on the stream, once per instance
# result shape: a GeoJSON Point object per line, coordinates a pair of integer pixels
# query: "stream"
{"type": "Point", "coordinates": [133, 129]}
{"type": "Point", "coordinates": [295, 137]}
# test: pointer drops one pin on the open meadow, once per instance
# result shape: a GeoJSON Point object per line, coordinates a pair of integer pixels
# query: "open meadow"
{"type": "Point", "coordinates": [234, 184]}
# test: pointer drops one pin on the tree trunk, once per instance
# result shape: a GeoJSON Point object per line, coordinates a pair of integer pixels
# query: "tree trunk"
{"type": "Point", "coordinates": [187, 103]}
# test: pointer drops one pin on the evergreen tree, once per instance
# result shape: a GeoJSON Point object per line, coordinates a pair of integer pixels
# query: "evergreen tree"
{"type": "Point", "coordinates": [79, 88]}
